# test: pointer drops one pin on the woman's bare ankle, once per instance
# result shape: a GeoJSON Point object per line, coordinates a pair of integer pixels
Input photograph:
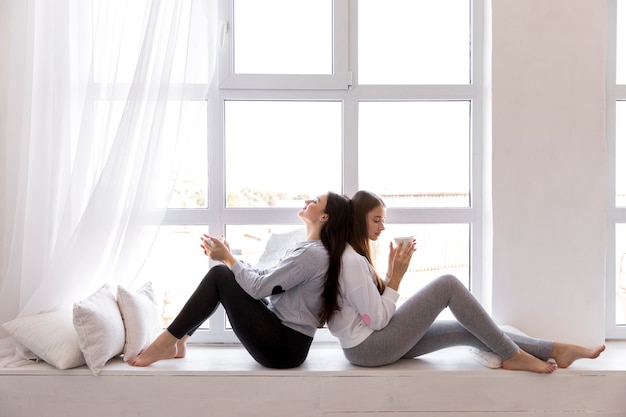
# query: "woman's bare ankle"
{"type": "Point", "coordinates": [523, 361]}
{"type": "Point", "coordinates": [163, 347]}
{"type": "Point", "coordinates": [181, 347]}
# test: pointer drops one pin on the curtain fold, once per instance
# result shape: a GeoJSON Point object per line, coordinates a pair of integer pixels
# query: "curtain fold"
{"type": "Point", "coordinates": [96, 99]}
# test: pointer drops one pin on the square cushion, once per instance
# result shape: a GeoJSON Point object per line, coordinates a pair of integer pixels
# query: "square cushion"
{"type": "Point", "coordinates": [142, 321]}
{"type": "Point", "coordinates": [99, 327]}
{"type": "Point", "coordinates": [49, 336]}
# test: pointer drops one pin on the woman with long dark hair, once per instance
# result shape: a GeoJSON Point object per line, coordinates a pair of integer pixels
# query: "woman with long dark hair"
{"type": "Point", "coordinates": [274, 312]}
{"type": "Point", "coordinates": [372, 332]}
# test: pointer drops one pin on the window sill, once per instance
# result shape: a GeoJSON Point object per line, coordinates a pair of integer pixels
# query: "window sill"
{"type": "Point", "coordinates": [220, 377]}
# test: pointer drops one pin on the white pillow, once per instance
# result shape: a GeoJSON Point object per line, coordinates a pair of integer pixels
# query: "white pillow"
{"type": "Point", "coordinates": [141, 317]}
{"type": "Point", "coordinates": [50, 336]}
{"type": "Point", "coordinates": [99, 327]}
{"type": "Point", "coordinates": [488, 359]}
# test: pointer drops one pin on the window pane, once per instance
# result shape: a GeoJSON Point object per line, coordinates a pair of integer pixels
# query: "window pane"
{"type": "Point", "coordinates": [620, 154]}
{"type": "Point", "coordinates": [263, 245]}
{"type": "Point", "coordinates": [414, 41]}
{"type": "Point", "coordinates": [620, 256]}
{"type": "Point", "coordinates": [175, 266]}
{"type": "Point", "coordinates": [621, 42]}
{"type": "Point", "coordinates": [278, 153]}
{"type": "Point", "coordinates": [416, 154]}
{"type": "Point", "coordinates": [283, 36]}
{"type": "Point", "coordinates": [182, 132]}
{"type": "Point", "coordinates": [191, 183]}
{"type": "Point", "coordinates": [441, 249]}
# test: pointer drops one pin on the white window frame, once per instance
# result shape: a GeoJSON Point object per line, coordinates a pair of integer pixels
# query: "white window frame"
{"type": "Point", "coordinates": [615, 214]}
{"type": "Point", "coordinates": [342, 86]}
{"type": "Point", "coordinates": [339, 79]}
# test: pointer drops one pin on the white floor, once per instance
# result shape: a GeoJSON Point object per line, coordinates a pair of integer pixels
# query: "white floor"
{"type": "Point", "coordinates": [224, 380]}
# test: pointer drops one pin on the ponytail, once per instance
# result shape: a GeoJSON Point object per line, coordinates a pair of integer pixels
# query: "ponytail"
{"type": "Point", "coordinates": [335, 235]}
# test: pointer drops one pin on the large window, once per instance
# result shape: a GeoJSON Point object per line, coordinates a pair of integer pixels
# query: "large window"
{"type": "Point", "coordinates": [319, 95]}
{"type": "Point", "coordinates": [616, 128]}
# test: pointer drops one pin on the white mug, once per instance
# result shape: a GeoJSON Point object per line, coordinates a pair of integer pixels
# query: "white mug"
{"type": "Point", "coordinates": [404, 239]}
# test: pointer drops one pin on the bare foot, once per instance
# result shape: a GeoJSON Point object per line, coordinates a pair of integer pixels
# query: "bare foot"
{"type": "Point", "coordinates": [181, 347]}
{"type": "Point", "coordinates": [163, 347]}
{"type": "Point", "coordinates": [565, 354]}
{"type": "Point", "coordinates": [523, 361]}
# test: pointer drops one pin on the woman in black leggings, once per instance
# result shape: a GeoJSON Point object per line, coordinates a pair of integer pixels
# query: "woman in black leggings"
{"type": "Point", "coordinates": [274, 312]}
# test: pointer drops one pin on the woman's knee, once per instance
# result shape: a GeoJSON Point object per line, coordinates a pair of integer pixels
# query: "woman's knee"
{"type": "Point", "coordinates": [452, 284]}
{"type": "Point", "coordinates": [220, 271]}
{"type": "Point", "coordinates": [450, 280]}
{"type": "Point", "coordinates": [216, 275]}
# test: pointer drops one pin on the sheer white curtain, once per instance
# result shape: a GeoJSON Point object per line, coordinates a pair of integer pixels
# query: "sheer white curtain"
{"type": "Point", "coordinates": [93, 123]}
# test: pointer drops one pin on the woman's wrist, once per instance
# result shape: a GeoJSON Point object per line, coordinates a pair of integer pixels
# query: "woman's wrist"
{"type": "Point", "coordinates": [229, 261]}
{"type": "Point", "coordinates": [394, 284]}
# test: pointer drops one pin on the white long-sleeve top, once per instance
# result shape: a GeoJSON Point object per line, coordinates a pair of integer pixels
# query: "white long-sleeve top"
{"type": "Point", "coordinates": [363, 309]}
{"type": "Point", "coordinates": [293, 286]}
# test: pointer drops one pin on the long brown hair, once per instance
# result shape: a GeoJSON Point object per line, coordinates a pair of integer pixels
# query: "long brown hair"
{"type": "Point", "coordinates": [364, 202]}
{"type": "Point", "coordinates": [335, 234]}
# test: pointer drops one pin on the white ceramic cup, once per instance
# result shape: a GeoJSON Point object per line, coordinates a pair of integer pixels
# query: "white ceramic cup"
{"type": "Point", "coordinates": [406, 240]}
{"type": "Point", "coordinates": [210, 242]}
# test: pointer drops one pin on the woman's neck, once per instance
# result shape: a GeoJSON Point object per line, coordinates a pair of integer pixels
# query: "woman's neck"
{"type": "Point", "coordinates": [312, 233]}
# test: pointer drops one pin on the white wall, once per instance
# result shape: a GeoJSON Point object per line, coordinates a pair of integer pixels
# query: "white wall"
{"type": "Point", "coordinates": [549, 167]}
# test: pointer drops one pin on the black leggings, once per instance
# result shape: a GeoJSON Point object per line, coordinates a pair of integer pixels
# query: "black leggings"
{"type": "Point", "coordinates": [265, 337]}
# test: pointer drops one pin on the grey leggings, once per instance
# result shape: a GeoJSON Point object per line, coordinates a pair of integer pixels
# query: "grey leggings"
{"type": "Point", "coordinates": [413, 331]}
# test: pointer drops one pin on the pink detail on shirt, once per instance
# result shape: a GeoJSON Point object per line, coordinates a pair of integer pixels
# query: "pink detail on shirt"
{"type": "Point", "coordinates": [366, 319]}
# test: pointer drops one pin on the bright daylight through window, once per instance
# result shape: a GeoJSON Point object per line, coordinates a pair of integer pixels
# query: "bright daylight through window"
{"type": "Point", "coordinates": [293, 117]}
